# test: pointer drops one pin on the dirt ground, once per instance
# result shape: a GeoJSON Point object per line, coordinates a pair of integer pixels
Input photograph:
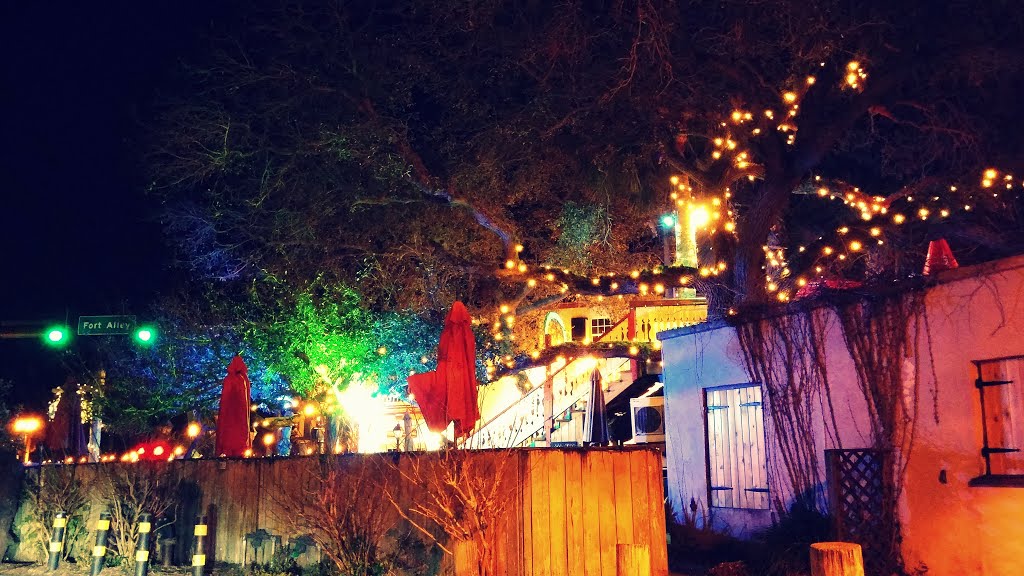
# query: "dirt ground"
{"type": "Point", "coordinates": [27, 569]}
{"type": "Point", "coordinates": [22, 569]}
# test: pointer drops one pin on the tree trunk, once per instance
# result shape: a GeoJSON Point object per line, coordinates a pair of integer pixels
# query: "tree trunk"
{"type": "Point", "coordinates": [718, 290]}
{"type": "Point", "coordinates": [836, 559]}
{"type": "Point", "coordinates": [632, 560]}
{"type": "Point", "coordinates": [770, 208]}
{"type": "Point", "coordinates": [748, 278]}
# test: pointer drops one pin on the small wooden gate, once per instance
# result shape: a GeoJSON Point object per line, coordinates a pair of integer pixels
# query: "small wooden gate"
{"type": "Point", "coordinates": [862, 502]}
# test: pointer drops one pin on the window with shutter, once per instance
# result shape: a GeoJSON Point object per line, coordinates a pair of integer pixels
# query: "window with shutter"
{"type": "Point", "coordinates": [736, 457]}
{"type": "Point", "coordinates": [1000, 384]}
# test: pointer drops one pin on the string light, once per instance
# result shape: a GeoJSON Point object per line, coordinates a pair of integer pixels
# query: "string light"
{"type": "Point", "coordinates": [713, 214]}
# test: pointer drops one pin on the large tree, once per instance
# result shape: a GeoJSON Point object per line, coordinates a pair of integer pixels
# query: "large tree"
{"type": "Point", "coordinates": [433, 151]}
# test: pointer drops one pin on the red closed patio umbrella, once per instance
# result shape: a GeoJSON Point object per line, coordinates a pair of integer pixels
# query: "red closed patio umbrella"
{"type": "Point", "coordinates": [449, 394]}
{"type": "Point", "coordinates": [233, 417]}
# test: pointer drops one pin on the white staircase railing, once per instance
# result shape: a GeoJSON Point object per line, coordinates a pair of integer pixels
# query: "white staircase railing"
{"type": "Point", "coordinates": [513, 425]}
{"type": "Point", "coordinates": [527, 418]}
{"type": "Point", "coordinates": [524, 419]}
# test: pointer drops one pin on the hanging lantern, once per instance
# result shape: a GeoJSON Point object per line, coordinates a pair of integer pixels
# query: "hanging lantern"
{"type": "Point", "coordinates": [939, 258]}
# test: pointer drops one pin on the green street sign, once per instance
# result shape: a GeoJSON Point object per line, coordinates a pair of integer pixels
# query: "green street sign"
{"type": "Point", "coordinates": [105, 325]}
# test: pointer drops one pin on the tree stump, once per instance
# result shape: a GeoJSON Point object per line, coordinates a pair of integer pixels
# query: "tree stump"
{"type": "Point", "coordinates": [836, 559]}
{"type": "Point", "coordinates": [632, 560]}
{"type": "Point", "coordinates": [466, 563]}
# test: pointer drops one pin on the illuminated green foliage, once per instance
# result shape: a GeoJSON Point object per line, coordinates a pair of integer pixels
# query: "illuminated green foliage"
{"type": "Point", "coordinates": [582, 227]}
{"type": "Point", "coordinates": [321, 339]}
{"type": "Point", "coordinates": [308, 341]}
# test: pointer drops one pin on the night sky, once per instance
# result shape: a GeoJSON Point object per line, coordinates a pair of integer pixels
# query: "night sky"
{"type": "Point", "coordinates": [76, 230]}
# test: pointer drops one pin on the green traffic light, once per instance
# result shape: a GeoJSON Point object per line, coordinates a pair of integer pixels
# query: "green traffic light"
{"type": "Point", "coordinates": [55, 336]}
{"type": "Point", "coordinates": [145, 335]}
{"type": "Point", "coordinates": [668, 221]}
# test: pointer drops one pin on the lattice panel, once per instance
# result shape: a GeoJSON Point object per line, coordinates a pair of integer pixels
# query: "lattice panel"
{"type": "Point", "coordinates": [860, 496]}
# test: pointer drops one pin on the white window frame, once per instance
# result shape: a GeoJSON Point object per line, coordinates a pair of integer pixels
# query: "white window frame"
{"type": "Point", "coordinates": [606, 323]}
{"type": "Point", "coordinates": [736, 447]}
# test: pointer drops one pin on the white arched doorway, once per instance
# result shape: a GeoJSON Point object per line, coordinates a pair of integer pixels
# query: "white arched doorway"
{"type": "Point", "coordinates": [554, 330]}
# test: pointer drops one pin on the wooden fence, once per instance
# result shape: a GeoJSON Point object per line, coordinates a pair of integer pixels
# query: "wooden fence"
{"type": "Point", "coordinates": [567, 508]}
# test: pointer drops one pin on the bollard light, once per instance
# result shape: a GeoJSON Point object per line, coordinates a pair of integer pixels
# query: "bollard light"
{"type": "Point", "coordinates": [145, 530]}
{"type": "Point", "coordinates": [199, 546]}
{"type": "Point", "coordinates": [56, 547]}
{"type": "Point", "coordinates": [99, 550]}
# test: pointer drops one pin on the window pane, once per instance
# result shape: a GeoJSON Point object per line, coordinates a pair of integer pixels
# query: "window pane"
{"type": "Point", "coordinates": [599, 326]}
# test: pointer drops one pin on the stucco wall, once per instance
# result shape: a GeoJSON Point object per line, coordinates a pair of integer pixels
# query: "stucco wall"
{"type": "Point", "coordinates": [972, 314]}
{"type": "Point", "coordinates": [695, 360]}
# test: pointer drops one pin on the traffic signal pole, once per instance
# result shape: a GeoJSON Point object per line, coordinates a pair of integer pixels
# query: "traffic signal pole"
{"type": "Point", "coordinates": [11, 330]}
{"type": "Point", "coordinates": [15, 335]}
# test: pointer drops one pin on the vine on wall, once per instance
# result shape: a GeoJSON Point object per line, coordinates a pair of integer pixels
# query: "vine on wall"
{"type": "Point", "coordinates": [884, 335]}
{"type": "Point", "coordinates": [786, 354]}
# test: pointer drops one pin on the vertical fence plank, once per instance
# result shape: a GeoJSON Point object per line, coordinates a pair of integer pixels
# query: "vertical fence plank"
{"type": "Point", "coordinates": [555, 468]}
{"type": "Point", "coordinates": [623, 504]}
{"type": "Point", "coordinates": [526, 518]}
{"type": "Point", "coordinates": [604, 500]}
{"type": "Point", "coordinates": [514, 515]}
{"type": "Point", "coordinates": [643, 512]}
{"type": "Point", "coordinates": [656, 498]}
{"type": "Point", "coordinates": [492, 466]}
{"type": "Point", "coordinates": [541, 500]}
{"type": "Point", "coordinates": [574, 512]}
{"type": "Point", "coordinates": [590, 472]}
{"type": "Point", "coordinates": [632, 560]}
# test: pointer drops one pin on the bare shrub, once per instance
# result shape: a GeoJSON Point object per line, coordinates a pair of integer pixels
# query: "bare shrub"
{"type": "Point", "coordinates": [51, 490]}
{"type": "Point", "coordinates": [131, 489]}
{"type": "Point", "coordinates": [463, 493]}
{"type": "Point", "coordinates": [338, 502]}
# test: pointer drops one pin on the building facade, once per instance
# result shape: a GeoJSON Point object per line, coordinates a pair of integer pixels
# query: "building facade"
{"type": "Point", "coordinates": [959, 408]}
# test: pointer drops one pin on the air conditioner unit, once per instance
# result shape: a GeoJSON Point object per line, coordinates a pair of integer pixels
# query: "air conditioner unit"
{"type": "Point", "coordinates": [647, 415]}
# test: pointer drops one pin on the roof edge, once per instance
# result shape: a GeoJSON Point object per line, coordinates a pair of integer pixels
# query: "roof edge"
{"type": "Point", "coordinates": [945, 277]}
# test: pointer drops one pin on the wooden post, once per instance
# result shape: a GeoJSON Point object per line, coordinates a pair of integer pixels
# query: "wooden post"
{"type": "Point", "coordinates": [549, 407]}
{"type": "Point", "coordinates": [632, 560]}
{"type": "Point", "coordinates": [634, 371]}
{"type": "Point", "coordinates": [466, 558]}
{"type": "Point", "coordinates": [836, 559]}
